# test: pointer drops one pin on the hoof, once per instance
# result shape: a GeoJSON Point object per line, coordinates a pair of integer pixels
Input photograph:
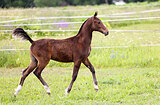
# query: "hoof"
{"type": "Point", "coordinates": [66, 92]}
{"type": "Point", "coordinates": [14, 95]}
{"type": "Point", "coordinates": [49, 93]}
{"type": "Point", "coordinates": [96, 90]}
{"type": "Point", "coordinates": [47, 89]}
{"type": "Point", "coordinates": [17, 90]}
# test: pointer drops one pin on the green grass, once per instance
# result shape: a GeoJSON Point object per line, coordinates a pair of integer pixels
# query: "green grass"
{"type": "Point", "coordinates": [126, 75]}
{"type": "Point", "coordinates": [114, 57]}
{"type": "Point", "coordinates": [126, 86]}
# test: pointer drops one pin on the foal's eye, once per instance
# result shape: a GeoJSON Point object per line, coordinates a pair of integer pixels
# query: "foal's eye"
{"type": "Point", "coordinates": [99, 22]}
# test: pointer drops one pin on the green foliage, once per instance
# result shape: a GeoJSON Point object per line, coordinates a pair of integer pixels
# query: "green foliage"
{"type": "Point", "coordinates": [129, 1]}
{"type": "Point", "coordinates": [84, 2]}
{"type": "Point", "coordinates": [130, 23]}
{"type": "Point", "coordinates": [11, 59]}
{"type": "Point", "coordinates": [53, 3]}
{"type": "Point", "coordinates": [47, 3]}
{"type": "Point", "coordinates": [4, 35]}
{"type": "Point", "coordinates": [116, 57]}
{"type": "Point", "coordinates": [16, 3]}
{"type": "Point", "coordinates": [50, 3]}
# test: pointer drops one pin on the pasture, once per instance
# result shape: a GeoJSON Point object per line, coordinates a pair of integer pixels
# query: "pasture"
{"type": "Point", "coordinates": [128, 86]}
{"type": "Point", "coordinates": [126, 61]}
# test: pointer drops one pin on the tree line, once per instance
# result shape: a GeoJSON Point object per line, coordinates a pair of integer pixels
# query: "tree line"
{"type": "Point", "coordinates": [52, 3]}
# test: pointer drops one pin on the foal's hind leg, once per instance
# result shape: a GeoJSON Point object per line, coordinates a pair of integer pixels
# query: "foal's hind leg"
{"type": "Point", "coordinates": [41, 65]}
{"type": "Point", "coordinates": [34, 60]}
{"type": "Point", "coordinates": [24, 70]}
{"type": "Point", "coordinates": [87, 63]}
{"type": "Point", "coordinates": [30, 68]}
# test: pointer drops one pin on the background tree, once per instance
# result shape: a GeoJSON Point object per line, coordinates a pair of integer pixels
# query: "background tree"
{"type": "Point", "coordinates": [16, 3]}
{"type": "Point", "coordinates": [52, 3]}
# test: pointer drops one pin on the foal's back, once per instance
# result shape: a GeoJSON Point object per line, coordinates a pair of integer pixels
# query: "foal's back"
{"type": "Point", "coordinates": [55, 49]}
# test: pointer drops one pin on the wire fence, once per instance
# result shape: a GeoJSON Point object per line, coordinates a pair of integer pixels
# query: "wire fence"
{"type": "Point", "coordinates": [152, 45]}
{"type": "Point", "coordinates": [126, 15]}
{"type": "Point", "coordinates": [77, 30]}
{"type": "Point", "coordinates": [101, 16]}
{"type": "Point", "coordinates": [61, 23]}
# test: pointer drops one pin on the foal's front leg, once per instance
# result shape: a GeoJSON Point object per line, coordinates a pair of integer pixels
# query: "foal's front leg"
{"type": "Point", "coordinates": [87, 63]}
{"type": "Point", "coordinates": [76, 67]}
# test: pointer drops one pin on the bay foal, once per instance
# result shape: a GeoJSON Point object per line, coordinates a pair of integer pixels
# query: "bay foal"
{"type": "Point", "coordinates": [74, 49]}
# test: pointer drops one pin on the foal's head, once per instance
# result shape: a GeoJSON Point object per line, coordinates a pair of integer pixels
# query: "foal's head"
{"type": "Point", "coordinates": [97, 25]}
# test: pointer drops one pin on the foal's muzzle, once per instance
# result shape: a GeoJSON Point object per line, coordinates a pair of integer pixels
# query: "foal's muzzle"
{"type": "Point", "coordinates": [106, 33]}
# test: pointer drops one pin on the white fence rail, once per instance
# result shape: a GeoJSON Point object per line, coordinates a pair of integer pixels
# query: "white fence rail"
{"type": "Point", "coordinates": [69, 17]}
{"type": "Point", "coordinates": [62, 17]}
{"type": "Point", "coordinates": [60, 23]}
{"type": "Point", "coordinates": [153, 45]}
{"type": "Point", "coordinates": [77, 30]}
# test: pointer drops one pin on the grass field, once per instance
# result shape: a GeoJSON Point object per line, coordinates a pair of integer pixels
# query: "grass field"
{"type": "Point", "coordinates": [126, 86]}
{"type": "Point", "coordinates": [127, 70]}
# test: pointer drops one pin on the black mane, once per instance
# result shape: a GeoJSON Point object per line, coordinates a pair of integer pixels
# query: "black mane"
{"type": "Point", "coordinates": [82, 26]}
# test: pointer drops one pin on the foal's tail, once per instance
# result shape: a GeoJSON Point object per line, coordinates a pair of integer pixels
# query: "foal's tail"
{"type": "Point", "coordinates": [19, 32]}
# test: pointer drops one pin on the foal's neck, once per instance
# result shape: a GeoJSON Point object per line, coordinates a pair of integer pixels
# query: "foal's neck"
{"type": "Point", "coordinates": [85, 33]}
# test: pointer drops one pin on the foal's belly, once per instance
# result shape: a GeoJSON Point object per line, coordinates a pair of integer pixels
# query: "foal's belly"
{"type": "Point", "coordinates": [62, 56]}
{"type": "Point", "coordinates": [62, 59]}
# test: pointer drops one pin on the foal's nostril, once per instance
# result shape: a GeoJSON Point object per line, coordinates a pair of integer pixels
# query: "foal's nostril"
{"type": "Point", "coordinates": [106, 33]}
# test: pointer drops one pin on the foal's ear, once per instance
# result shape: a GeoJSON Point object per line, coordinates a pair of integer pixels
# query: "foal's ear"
{"type": "Point", "coordinates": [95, 14]}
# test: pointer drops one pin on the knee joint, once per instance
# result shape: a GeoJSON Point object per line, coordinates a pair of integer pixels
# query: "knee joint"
{"type": "Point", "coordinates": [37, 73]}
{"type": "Point", "coordinates": [93, 71]}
